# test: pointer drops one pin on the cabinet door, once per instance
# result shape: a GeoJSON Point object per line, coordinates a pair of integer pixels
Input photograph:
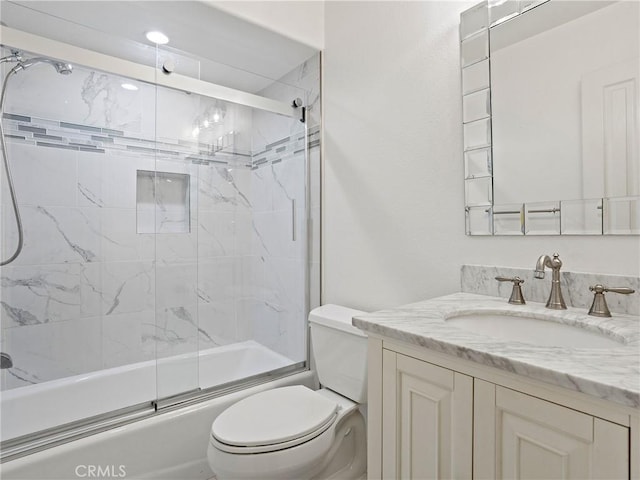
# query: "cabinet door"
{"type": "Point", "coordinates": [518, 436]}
{"type": "Point", "coordinates": [426, 421]}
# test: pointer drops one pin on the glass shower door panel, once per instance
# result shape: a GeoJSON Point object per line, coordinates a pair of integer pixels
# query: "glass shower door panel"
{"type": "Point", "coordinates": [273, 308]}
{"type": "Point", "coordinates": [229, 213]}
{"type": "Point", "coordinates": [76, 301]}
{"type": "Point", "coordinates": [171, 210]}
{"type": "Point", "coordinates": [252, 239]}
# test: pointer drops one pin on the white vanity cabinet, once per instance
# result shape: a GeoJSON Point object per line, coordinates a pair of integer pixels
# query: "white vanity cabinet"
{"type": "Point", "coordinates": [434, 416]}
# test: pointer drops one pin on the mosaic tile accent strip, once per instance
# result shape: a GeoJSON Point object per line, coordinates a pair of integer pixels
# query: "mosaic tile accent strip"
{"type": "Point", "coordinates": [285, 148]}
{"type": "Point", "coordinates": [88, 138]}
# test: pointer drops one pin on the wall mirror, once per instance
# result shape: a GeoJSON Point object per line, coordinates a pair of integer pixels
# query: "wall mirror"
{"type": "Point", "coordinates": [551, 105]}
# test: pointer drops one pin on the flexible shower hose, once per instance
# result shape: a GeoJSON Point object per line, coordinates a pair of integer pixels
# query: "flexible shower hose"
{"type": "Point", "coordinates": [7, 168]}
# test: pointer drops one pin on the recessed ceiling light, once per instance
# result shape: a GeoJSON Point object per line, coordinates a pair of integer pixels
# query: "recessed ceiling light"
{"type": "Point", "coordinates": [129, 86]}
{"type": "Point", "coordinates": [157, 37]}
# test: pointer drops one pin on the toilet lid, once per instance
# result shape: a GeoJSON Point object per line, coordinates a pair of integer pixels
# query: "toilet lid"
{"type": "Point", "coordinates": [273, 417]}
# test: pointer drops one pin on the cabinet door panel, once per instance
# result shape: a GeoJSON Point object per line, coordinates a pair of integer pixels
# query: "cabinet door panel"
{"type": "Point", "coordinates": [431, 412]}
{"type": "Point", "coordinates": [534, 439]}
{"type": "Point", "coordinates": [532, 450]}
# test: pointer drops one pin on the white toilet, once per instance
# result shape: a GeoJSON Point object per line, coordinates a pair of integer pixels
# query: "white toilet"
{"type": "Point", "coordinates": [295, 432]}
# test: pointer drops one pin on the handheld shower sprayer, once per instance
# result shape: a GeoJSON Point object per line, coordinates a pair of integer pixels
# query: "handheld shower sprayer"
{"type": "Point", "coordinates": [62, 68]}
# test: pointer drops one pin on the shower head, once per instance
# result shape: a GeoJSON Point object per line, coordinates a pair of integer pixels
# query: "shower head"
{"type": "Point", "coordinates": [61, 67]}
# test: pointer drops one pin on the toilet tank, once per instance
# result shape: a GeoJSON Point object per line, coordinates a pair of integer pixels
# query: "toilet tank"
{"type": "Point", "coordinates": [340, 351]}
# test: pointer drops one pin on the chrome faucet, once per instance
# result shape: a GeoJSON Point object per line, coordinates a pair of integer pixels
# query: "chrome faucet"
{"type": "Point", "coordinates": [555, 296]}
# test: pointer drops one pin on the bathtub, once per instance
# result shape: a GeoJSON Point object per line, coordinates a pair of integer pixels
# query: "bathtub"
{"type": "Point", "coordinates": [45, 405]}
{"type": "Point", "coordinates": [167, 446]}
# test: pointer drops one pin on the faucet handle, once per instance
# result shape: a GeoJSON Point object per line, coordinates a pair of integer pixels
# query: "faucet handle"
{"type": "Point", "coordinates": [599, 307]}
{"type": "Point", "coordinates": [516, 297]}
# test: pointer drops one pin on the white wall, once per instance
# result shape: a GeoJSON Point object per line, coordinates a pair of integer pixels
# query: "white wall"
{"type": "Point", "coordinates": [393, 220]}
{"type": "Point", "coordinates": [301, 20]}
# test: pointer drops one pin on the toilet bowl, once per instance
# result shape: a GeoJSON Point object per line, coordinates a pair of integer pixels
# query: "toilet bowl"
{"type": "Point", "coordinates": [295, 432]}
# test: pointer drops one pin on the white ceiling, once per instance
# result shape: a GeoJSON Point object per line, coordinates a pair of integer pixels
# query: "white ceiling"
{"type": "Point", "coordinates": [234, 52]}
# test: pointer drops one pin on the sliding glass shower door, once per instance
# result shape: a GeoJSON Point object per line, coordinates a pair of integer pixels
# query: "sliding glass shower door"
{"type": "Point", "coordinates": [165, 244]}
{"type": "Point", "coordinates": [230, 236]}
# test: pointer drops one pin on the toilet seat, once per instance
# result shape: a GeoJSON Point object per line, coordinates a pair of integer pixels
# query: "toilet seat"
{"type": "Point", "coordinates": [273, 420]}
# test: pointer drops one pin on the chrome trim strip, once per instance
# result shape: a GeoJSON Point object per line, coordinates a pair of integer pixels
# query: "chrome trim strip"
{"type": "Point", "coordinates": [45, 439]}
{"type": "Point", "coordinates": [52, 437]}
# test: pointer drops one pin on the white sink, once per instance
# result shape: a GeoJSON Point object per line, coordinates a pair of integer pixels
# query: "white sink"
{"type": "Point", "coordinates": [546, 333]}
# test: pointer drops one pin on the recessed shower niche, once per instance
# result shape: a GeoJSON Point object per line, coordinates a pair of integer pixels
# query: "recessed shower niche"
{"type": "Point", "coordinates": [162, 202]}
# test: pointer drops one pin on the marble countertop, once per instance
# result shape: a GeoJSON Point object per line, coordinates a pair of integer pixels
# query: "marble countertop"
{"type": "Point", "coordinates": [609, 373]}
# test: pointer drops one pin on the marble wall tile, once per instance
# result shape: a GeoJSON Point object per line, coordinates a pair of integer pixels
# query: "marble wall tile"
{"type": "Point", "coordinates": [216, 234]}
{"type": "Point", "coordinates": [176, 195]}
{"type": "Point", "coordinates": [176, 285]}
{"type": "Point", "coordinates": [93, 298]}
{"type": "Point", "coordinates": [242, 182]}
{"type": "Point", "coordinates": [42, 179]}
{"type": "Point", "coordinates": [176, 247]}
{"type": "Point", "coordinates": [218, 319]}
{"type": "Point", "coordinates": [109, 180]}
{"type": "Point", "coordinates": [253, 281]}
{"type": "Point", "coordinates": [219, 279]}
{"type": "Point", "coordinates": [261, 193]}
{"type": "Point", "coordinates": [288, 183]}
{"type": "Point", "coordinates": [184, 109]}
{"type": "Point", "coordinates": [176, 330]}
{"type": "Point", "coordinates": [223, 188]}
{"type": "Point", "coordinates": [109, 104]}
{"type": "Point", "coordinates": [575, 286]}
{"type": "Point", "coordinates": [120, 240]}
{"type": "Point", "coordinates": [284, 281]}
{"type": "Point", "coordinates": [262, 323]}
{"type": "Point", "coordinates": [214, 191]}
{"type": "Point", "coordinates": [72, 235]}
{"type": "Point", "coordinates": [244, 233]}
{"type": "Point", "coordinates": [273, 235]}
{"type": "Point", "coordinates": [86, 97]}
{"type": "Point", "coordinates": [120, 287]}
{"type": "Point", "coordinates": [122, 338]}
{"type": "Point", "coordinates": [51, 350]}
{"type": "Point", "coordinates": [34, 295]}
{"type": "Point", "coordinates": [164, 202]}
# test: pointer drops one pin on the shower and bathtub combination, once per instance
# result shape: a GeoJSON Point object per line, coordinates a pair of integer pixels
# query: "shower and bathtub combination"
{"type": "Point", "coordinates": [157, 240]}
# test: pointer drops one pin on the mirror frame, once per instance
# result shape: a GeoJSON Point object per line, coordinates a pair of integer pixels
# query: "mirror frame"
{"type": "Point", "coordinates": [482, 215]}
